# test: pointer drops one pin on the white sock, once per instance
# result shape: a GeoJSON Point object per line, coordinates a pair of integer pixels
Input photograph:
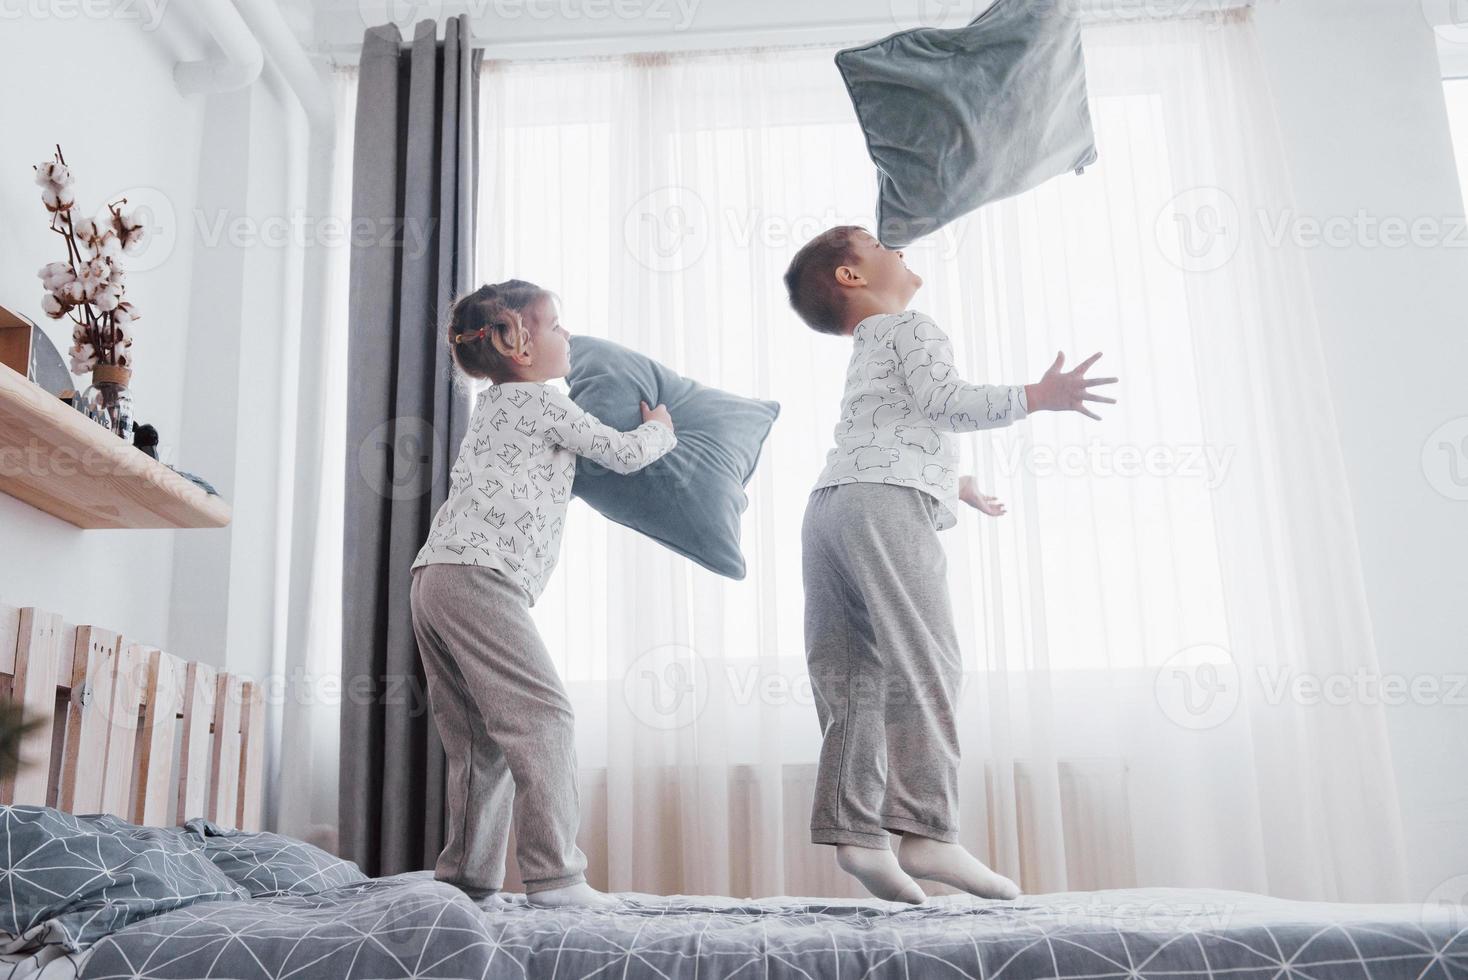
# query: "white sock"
{"type": "Point", "coordinates": [578, 894]}
{"type": "Point", "coordinates": [879, 873]}
{"type": "Point", "coordinates": [952, 864]}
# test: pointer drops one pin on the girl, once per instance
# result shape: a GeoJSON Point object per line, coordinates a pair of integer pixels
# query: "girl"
{"type": "Point", "coordinates": [500, 708]}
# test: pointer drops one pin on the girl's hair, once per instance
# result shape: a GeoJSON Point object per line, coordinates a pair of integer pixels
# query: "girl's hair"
{"type": "Point", "coordinates": [486, 330]}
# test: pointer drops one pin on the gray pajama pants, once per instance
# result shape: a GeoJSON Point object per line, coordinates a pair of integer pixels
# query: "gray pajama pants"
{"type": "Point", "coordinates": [507, 731]}
{"type": "Point", "coordinates": [884, 665]}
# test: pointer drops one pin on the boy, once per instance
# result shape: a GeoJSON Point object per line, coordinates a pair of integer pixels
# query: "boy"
{"type": "Point", "coordinates": [880, 639]}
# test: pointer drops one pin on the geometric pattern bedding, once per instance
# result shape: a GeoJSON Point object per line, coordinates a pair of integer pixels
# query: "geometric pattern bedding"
{"type": "Point", "coordinates": [409, 925]}
{"type": "Point", "coordinates": [68, 880]}
{"type": "Point", "coordinates": [271, 864]}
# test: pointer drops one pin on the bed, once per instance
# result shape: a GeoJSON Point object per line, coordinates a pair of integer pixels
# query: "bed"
{"type": "Point", "coordinates": [291, 910]}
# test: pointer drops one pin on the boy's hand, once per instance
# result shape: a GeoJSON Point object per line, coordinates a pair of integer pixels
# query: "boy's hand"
{"type": "Point", "coordinates": [1067, 391]}
{"type": "Point", "coordinates": [968, 492]}
{"type": "Point", "coordinates": [659, 414]}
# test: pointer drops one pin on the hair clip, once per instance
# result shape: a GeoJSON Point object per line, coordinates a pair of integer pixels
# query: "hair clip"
{"type": "Point", "coordinates": [471, 335]}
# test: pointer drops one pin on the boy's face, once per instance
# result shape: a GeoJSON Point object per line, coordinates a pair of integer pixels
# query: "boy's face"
{"type": "Point", "coordinates": [881, 269]}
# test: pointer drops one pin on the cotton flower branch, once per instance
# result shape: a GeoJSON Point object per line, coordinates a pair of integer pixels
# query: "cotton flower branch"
{"type": "Point", "coordinates": [89, 286]}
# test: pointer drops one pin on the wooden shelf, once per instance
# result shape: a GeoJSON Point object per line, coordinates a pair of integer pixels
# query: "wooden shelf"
{"type": "Point", "coordinates": [56, 459]}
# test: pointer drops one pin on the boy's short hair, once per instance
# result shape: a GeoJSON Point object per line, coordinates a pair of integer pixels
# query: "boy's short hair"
{"type": "Point", "coordinates": [811, 279]}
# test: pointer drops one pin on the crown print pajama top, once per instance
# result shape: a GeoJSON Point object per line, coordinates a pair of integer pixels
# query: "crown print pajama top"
{"type": "Point", "coordinates": [510, 485]}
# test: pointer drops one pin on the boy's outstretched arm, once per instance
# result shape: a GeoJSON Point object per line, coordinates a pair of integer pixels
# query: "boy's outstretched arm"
{"type": "Point", "coordinates": [925, 357]}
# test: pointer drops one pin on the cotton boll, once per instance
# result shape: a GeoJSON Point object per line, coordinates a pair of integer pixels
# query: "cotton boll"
{"type": "Point", "coordinates": [106, 298]}
{"type": "Point", "coordinates": [83, 358]}
{"type": "Point", "coordinates": [72, 294]}
{"type": "Point", "coordinates": [134, 238]}
{"type": "Point", "coordinates": [85, 230]}
{"type": "Point", "coordinates": [55, 275]}
{"type": "Point", "coordinates": [54, 173]}
{"type": "Point", "coordinates": [124, 331]}
{"type": "Point", "coordinates": [108, 246]}
{"type": "Point", "coordinates": [51, 306]}
{"type": "Point", "coordinates": [124, 314]}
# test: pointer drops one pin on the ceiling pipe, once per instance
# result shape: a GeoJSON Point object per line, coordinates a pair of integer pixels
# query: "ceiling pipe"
{"type": "Point", "coordinates": [239, 61]}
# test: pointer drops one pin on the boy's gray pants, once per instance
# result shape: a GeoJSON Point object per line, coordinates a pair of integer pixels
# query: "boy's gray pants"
{"type": "Point", "coordinates": [884, 665]}
{"type": "Point", "coordinates": [507, 731]}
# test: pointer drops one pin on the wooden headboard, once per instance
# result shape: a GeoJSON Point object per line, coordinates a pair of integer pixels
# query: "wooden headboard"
{"type": "Point", "coordinates": [128, 729]}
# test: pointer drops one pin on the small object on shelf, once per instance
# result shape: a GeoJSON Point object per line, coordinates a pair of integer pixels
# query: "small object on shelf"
{"type": "Point", "coordinates": [25, 349]}
{"type": "Point", "coordinates": [109, 403]}
{"type": "Point", "coordinates": [145, 437]}
{"type": "Point", "coordinates": [198, 481]}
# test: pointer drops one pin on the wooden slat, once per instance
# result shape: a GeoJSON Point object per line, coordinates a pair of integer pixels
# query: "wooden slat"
{"type": "Point", "coordinates": [34, 687]}
{"type": "Point", "coordinates": [224, 782]}
{"type": "Point", "coordinates": [196, 697]}
{"type": "Point", "coordinates": [250, 814]}
{"type": "Point", "coordinates": [154, 777]}
{"type": "Point", "coordinates": [110, 714]}
{"type": "Point", "coordinates": [9, 637]}
{"type": "Point", "coordinates": [94, 664]}
{"type": "Point", "coordinates": [122, 730]}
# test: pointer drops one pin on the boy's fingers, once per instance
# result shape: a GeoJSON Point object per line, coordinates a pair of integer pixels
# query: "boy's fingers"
{"type": "Point", "coordinates": [1086, 411]}
{"type": "Point", "coordinates": [1098, 398]}
{"type": "Point", "coordinates": [1091, 382]}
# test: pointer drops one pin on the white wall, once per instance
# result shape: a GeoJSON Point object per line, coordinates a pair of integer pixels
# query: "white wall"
{"type": "Point", "coordinates": [216, 306]}
{"type": "Point", "coordinates": [132, 130]}
{"type": "Point", "coordinates": [1360, 100]}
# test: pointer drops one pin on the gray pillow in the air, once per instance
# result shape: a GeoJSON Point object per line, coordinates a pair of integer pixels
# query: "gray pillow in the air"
{"type": "Point", "coordinates": [692, 500]}
{"type": "Point", "coordinates": [957, 118]}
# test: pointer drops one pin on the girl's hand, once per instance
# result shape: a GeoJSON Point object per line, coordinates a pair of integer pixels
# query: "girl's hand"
{"type": "Point", "coordinates": [1067, 391]}
{"type": "Point", "coordinates": [659, 414]}
{"type": "Point", "coordinates": [968, 492]}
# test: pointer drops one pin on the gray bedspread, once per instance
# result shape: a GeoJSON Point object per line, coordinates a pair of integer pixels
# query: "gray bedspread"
{"type": "Point", "coordinates": [410, 926]}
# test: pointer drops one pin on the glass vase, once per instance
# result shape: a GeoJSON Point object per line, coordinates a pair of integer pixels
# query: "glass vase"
{"type": "Point", "coordinates": [109, 402]}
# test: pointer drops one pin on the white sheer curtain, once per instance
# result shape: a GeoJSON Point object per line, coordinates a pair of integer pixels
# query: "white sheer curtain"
{"type": "Point", "coordinates": [1127, 627]}
{"type": "Point", "coordinates": [305, 775]}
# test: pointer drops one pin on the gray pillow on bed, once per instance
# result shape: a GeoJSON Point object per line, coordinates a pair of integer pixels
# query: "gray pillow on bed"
{"type": "Point", "coordinates": [70, 880]}
{"type": "Point", "coordinates": [269, 864]}
{"type": "Point", "coordinates": [957, 118]}
{"type": "Point", "coordinates": [692, 500]}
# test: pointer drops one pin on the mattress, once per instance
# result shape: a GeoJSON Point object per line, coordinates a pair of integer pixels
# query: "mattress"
{"type": "Point", "coordinates": [412, 926]}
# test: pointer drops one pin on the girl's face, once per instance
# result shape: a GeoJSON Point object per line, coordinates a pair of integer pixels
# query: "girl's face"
{"type": "Point", "coordinates": [549, 354]}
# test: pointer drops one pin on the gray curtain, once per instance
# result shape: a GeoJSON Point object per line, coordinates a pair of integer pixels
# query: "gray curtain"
{"type": "Point", "coordinates": [413, 188]}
